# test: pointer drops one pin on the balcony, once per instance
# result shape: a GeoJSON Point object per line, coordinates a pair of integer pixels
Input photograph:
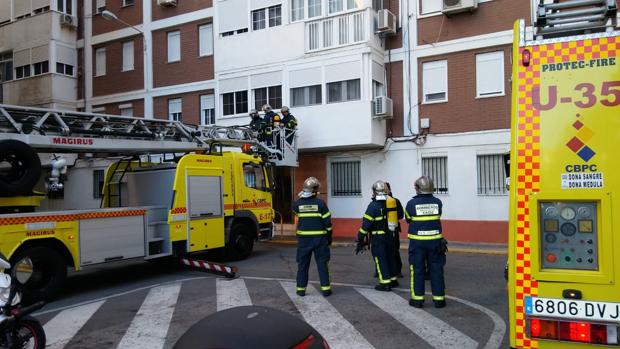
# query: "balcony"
{"type": "Point", "coordinates": [341, 30]}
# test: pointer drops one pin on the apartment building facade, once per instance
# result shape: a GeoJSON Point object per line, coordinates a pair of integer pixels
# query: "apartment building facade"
{"type": "Point", "coordinates": [211, 62]}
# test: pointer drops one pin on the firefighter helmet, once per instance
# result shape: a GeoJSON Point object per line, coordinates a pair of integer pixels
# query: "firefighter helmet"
{"type": "Point", "coordinates": [266, 108]}
{"type": "Point", "coordinates": [253, 113]}
{"type": "Point", "coordinates": [424, 185]}
{"type": "Point", "coordinates": [284, 109]}
{"type": "Point", "coordinates": [311, 187]}
{"type": "Point", "coordinates": [378, 189]}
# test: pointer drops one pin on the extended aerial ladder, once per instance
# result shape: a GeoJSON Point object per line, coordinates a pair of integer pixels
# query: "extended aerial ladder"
{"type": "Point", "coordinates": [554, 18]}
{"type": "Point", "coordinates": [48, 130]}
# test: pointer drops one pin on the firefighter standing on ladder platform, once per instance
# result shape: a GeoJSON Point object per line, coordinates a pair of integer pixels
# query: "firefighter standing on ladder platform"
{"type": "Point", "coordinates": [314, 234]}
{"type": "Point", "coordinates": [426, 244]}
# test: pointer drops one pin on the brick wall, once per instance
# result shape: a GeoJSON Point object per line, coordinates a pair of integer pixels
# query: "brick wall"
{"type": "Point", "coordinates": [191, 67]}
{"type": "Point", "coordinates": [463, 112]}
{"type": "Point", "coordinates": [183, 6]}
{"type": "Point", "coordinates": [115, 80]}
{"type": "Point", "coordinates": [190, 106]}
{"type": "Point", "coordinates": [492, 16]}
{"type": "Point", "coordinates": [112, 108]}
{"type": "Point", "coordinates": [314, 165]}
{"type": "Point", "coordinates": [394, 41]}
{"type": "Point", "coordinates": [394, 126]}
{"type": "Point", "coordinates": [130, 14]}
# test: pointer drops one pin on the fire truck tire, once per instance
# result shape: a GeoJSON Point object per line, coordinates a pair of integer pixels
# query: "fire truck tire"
{"type": "Point", "coordinates": [25, 169]}
{"type": "Point", "coordinates": [241, 242]}
{"type": "Point", "coordinates": [49, 273]}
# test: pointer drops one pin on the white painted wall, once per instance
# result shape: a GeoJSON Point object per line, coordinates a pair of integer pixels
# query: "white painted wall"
{"type": "Point", "coordinates": [401, 165]}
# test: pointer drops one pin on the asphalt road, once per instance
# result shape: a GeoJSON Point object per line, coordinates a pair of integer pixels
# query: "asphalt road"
{"type": "Point", "coordinates": [136, 304]}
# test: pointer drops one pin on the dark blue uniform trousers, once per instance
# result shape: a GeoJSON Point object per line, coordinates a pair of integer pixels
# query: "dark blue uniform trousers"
{"type": "Point", "coordinates": [382, 257]}
{"type": "Point", "coordinates": [305, 246]}
{"type": "Point", "coordinates": [421, 253]}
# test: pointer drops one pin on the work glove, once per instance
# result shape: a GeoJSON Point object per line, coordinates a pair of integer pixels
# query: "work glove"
{"type": "Point", "coordinates": [443, 247]}
{"type": "Point", "coordinates": [329, 238]}
{"type": "Point", "coordinates": [360, 247]}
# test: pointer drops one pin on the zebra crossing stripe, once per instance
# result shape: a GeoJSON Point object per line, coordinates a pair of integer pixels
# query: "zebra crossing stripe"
{"type": "Point", "coordinates": [66, 324]}
{"type": "Point", "coordinates": [434, 331]}
{"type": "Point", "coordinates": [149, 327]}
{"type": "Point", "coordinates": [231, 293]}
{"type": "Point", "coordinates": [321, 315]}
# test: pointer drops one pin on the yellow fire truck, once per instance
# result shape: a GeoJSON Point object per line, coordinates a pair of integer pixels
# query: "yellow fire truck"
{"type": "Point", "coordinates": [563, 269]}
{"type": "Point", "coordinates": [204, 199]}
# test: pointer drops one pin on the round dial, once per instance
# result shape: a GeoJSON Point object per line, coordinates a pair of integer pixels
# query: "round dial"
{"type": "Point", "coordinates": [584, 212]}
{"type": "Point", "coordinates": [567, 213]}
{"type": "Point", "coordinates": [568, 229]}
{"type": "Point", "coordinates": [551, 211]}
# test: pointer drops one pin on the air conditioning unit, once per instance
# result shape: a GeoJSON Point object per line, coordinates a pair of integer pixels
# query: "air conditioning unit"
{"type": "Point", "coordinates": [383, 108]}
{"type": "Point", "coordinates": [67, 20]}
{"type": "Point", "coordinates": [167, 2]}
{"type": "Point", "coordinates": [455, 6]}
{"type": "Point", "coordinates": [386, 22]}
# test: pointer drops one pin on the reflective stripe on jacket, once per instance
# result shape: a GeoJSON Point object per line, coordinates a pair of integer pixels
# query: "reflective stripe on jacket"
{"type": "Point", "coordinates": [313, 216]}
{"type": "Point", "coordinates": [423, 213]}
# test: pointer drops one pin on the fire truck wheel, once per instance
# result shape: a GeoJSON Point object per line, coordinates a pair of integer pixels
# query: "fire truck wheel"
{"type": "Point", "coordinates": [48, 275]}
{"type": "Point", "coordinates": [241, 242]}
{"type": "Point", "coordinates": [20, 168]}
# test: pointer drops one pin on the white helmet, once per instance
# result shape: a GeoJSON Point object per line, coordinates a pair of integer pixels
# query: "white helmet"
{"type": "Point", "coordinates": [379, 190]}
{"type": "Point", "coordinates": [253, 113]}
{"type": "Point", "coordinates": [424, 185]}
{"type": "Point", "coordinates": [266, 108]}
{"type": "Point", "coordinates": [310, 188]}
{"type": "Point", "coordinates": [284, 109]}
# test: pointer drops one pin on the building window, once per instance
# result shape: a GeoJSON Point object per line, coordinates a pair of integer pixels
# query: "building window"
{"type": "Point", "coordinates": [273, 14]}
{"type": "Point", "coordinates": [235, 103]}
{"type": "Point", "coordinates": [268, 95]}
{"type": "Point", "coordinates": [345, 178]}
{"type": "Point", "coordinates": [341, 30]}
{"type": "Point", "coordinates": [100, 61]}
{"type": "Point", "coordinates": [41, 67]}
{"type": "Point", "coordinates": [207, 110]}
{"type": "Point", "coordinates": [98, 180]}
{"type": "Point", "coordinates": [230, 33]}
{"type": "Point", "coordinates": [175, 108]}
{"type": "Point", "coordinates": [22, 71]}
{"type": "Point", "coordinates": [65, 6]}
{"type": "Point", "coordinates": [126, 110]}
{"type": "Point", "coordinates": [436, 168]}
{"type": "Point", "coordinates": [491, 175]}
{"type": "Point", "coordinates": [300, 7]}
{"type": "Point", "coordinates": [342, 91]}
{"type": "Point", "coordinates": [435, 81]}
{"type": "Point", "coordinates": [205, 38]}
{"type": "Point", "coordinates": [378, 89]}
{"type": "Point", "coordinates": [100, 6]}
{"type": "Point", "coordinates": [65, 69]}
{"type": "Point", "coordinates": [430, 6]}
{"type": "Point", "coordinates": [6, 66]}
{"type": "Point", "coordinates": [490, 74]}
{"type": "Point", "coordinates": [309, 95]}
{"type": "Point", "coordinates": [128, 2]}
{"type": "Point", "coordinates": [128, 56]}
{"type": "Point", "coordinates": [334, 6]}
{"type": "Point", "coordinates": [174, 46]}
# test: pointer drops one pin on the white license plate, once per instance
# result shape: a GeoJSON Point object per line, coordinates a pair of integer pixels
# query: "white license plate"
{"type": "Point", "coordinates": [572, 309]}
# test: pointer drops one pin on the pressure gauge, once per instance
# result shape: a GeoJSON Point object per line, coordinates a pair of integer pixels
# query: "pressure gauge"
{"type": "Point", "coordinates": [551, 211]}
{"type": "Point", "coordinates": [567, 213]}
{"type": "Point", "coordinates": [584, 212]}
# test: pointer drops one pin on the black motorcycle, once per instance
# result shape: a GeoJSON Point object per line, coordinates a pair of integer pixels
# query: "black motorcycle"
{"type": "Point", "coordinates": [17, 328]}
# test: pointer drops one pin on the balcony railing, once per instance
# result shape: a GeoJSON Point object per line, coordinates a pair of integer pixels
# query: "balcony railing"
{"type": "Point", "coordinates": [341, 30]}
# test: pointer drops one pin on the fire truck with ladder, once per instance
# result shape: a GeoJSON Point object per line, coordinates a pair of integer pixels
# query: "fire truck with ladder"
{"type": "Point", "coordinates": [564, 234]}
{"type": "Point", "coordinates": [152, 207]}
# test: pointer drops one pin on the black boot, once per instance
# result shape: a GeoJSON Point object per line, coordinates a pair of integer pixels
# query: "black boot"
{"type": "Point", "coordinates": [394, 283]}
{"type": "Point", "coordinates": [416, 304]}
{"type": "Point", "coordinates": [383, 287]}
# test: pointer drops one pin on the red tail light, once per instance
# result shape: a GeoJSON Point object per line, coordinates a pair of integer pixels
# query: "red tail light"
{"type": "Point", "coordinates": [305, 344]}
{"type": "Point", "coordinates": [573, 331]}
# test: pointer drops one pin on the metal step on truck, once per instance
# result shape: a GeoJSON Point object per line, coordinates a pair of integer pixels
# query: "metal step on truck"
{"type": "Point", "coordinates": [170, 190]}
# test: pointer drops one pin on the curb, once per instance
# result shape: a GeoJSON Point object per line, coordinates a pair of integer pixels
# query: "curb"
{"type": "Point", "coordinates": [460, 249]}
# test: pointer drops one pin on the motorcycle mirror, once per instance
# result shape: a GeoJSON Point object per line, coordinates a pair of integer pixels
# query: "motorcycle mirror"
{"type": "Point", "coordinates": [23, 270]}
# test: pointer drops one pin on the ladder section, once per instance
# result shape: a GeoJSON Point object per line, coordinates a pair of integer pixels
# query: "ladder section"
{"type": "Point", "coordinates": [73, 132]}
{"type": "Point", "coordinates": [556, 18]}
{"type": "Point", "coordinates": [112, 194]}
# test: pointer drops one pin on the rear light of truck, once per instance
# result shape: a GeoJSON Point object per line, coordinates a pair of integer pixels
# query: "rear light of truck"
{"type": "Point", "coordinates": [573, 331]}
{"type": "Point", "coordinates": [526, 57]}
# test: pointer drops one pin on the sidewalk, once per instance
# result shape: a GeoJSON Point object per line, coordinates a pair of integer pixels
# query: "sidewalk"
{"type": "Point", "coordinates": [453, 246]}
